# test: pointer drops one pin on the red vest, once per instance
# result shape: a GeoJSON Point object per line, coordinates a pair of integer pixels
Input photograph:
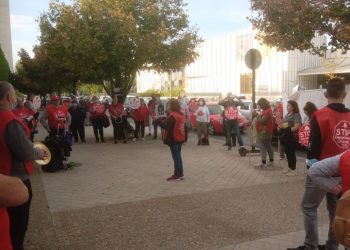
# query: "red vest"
{"type": "Point", "coordinates": [231, 113]}
{"type": "Point", "coordinates": [23, 113]}
{"type": "Point", "coordinates": [141, 113]}
{"type": "Point", "coordinates": [5, 154]}
{"type": "Point", "coordinates": [57, 116]}
{"type": "Point", "coordinates": [344, 169]}
{"type": "Point", "coordinates": [269, 125]}
{"type": "Point", "coordinates": [97, 110]}
{"type": "Point", "coordinates": [179, 133]}
{"type": "Point", "coordinates": [335, 131]}
{"type": "Point", "coordinates": [5, 240]}
{"type": "Point", "coordinates": [116, 109]}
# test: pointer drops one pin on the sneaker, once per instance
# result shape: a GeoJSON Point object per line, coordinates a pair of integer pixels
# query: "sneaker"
{"type": "Point", "coordinates": [174, 178]}
{"type": "Point", "coordinates": [291, 173]}
{"type": "Point", "coordinates": [261, 165]}
{"type": "Point", "coordinates": [143, 139]}
{"type": "Point", "coordinates": [134, 139]}
{"type": "Point", "coordinates": [286, 171]}
{"type": "Point", "coordinates": [270, 164]}
{"type": "Point", "coordinates": [149, 134]}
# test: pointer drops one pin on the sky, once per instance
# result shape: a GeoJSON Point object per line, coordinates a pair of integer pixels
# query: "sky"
{"type": "Point", "coordinates": [212, 17]}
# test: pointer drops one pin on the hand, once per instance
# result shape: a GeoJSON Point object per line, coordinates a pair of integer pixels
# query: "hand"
{"type": "Point", "coordinates": [42, 154]}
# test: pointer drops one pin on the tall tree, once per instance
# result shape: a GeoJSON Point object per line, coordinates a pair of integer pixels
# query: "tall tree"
{"type": "Point", "coordinates": [292, 24]}
{"type": "Point", "coordinates": [109, 41]}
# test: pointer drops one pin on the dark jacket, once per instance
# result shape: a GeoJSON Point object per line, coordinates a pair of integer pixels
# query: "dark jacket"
{"type": "Point", "coordinates": [78, 115]}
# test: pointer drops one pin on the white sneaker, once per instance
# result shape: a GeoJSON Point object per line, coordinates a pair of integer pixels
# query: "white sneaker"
{"type": "Point", "coordinates": [134, 139]}
{"type": "Point", "coordinates": [260, 165]}
{"type": "Point", "coordinates": [291, 173]}
{"type": "Point", "coordinates": [286, 171]}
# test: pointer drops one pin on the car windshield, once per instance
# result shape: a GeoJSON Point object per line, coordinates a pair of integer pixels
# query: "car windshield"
{"type": "Point", "coordinates": [215, 109]}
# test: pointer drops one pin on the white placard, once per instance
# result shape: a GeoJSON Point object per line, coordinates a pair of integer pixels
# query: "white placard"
{"type": "Point", "coordinates": [134, 102]}
{"type": "Point", "coordinates": [37, 102]}
{"type": "Point", "coordinates": [160, 111]}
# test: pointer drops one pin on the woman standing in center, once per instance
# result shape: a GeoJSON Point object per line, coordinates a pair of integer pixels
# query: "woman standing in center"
{"type": "Point", "coordinates": [175, 135]}
{"type": "Point", "coordinates": [291, 124]}
{"type": "Point", "coordinates": [140, 115]}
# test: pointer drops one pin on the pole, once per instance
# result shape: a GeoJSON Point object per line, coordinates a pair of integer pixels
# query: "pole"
{"type": "Point", "coordinates": [253, 87]}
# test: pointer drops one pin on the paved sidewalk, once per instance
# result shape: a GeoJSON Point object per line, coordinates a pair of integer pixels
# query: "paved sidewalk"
{"type": "Point", "coordinates": [118, 199]}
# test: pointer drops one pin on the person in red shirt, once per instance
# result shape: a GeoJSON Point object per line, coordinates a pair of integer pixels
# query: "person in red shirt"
{"type": "Point", "coordinates": [175, 134]}
{"type": "Point", "coordinates": [140, 115]}
{"type": "Point", "coordinates": [264, 128]}
{"type": "Point", "coordinates": [117, 113]}
{"type": "Point", "coordinates": [25, 114]}
{"type": "Point", "coordinates": [97, 114]}
{"type": "Point", "coordinates": [16, 159]}
{"type": "Point", "coordinates": [56, 118]}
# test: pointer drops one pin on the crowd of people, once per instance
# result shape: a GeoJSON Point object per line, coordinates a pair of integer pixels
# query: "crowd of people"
{"type": "Point", "coordinates": [327, 145]}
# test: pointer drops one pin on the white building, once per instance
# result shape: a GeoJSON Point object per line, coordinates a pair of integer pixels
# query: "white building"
{"type": "Point", "coordinates": [221, 68]}
{"type": "Point", "coordinates": [5, 31]}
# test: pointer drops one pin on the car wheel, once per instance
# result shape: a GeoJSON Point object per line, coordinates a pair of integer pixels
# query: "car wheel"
{"type": "Point", "coordinates": [211, 129]}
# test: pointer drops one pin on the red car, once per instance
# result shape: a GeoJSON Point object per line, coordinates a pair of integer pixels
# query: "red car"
{"type": "Point", "coordinates": [216, 122]}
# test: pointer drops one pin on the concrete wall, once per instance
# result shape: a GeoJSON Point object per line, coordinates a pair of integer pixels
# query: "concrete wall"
{"type": "Point", "coordinates": [5, 31]}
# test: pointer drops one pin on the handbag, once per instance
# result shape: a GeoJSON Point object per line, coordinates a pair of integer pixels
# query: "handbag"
{"type": "Point", "coordinates": [105, 121]}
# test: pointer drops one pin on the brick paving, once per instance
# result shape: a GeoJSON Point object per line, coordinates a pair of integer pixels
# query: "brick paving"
{"type": "Point", "coordinates": [118, 199]}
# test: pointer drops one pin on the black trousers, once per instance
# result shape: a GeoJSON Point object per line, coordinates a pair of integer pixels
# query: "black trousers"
{"type": "Point", "coordinates": [19, 218]}
{"type": "Point", "coordinates": [119, 129]}
{"type": "Point", "coordinates": [155, 129]}
{"type": "Point", "coordinates": [55, 131]}
{"type": "Point", "coordinates": [78, 129]}
{"type": "Point", "coordinates": [139, 126]}
{"type": "Point", "coordinates": [97, 125]}
{"type": "Point", "coordinates": [290, 148]}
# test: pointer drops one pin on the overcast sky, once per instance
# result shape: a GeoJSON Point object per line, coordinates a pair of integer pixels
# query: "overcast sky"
{"type": "Point", "coordinates": [212, 17]}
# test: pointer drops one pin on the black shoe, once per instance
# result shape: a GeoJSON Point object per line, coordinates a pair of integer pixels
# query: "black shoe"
{"type": "Point", "coordinates": [125, 141]}
{"type": "Point", "coordinates": [83, 141]}
{"type": "Point", "coordinates": [198, 143]}
{"type": "Point", "coordinates": [229, 148]}
{"type": "Point", "coordinates": [154, 138]}
{"type": "Point", "coordinates": [97, 140]}
{"type": "Point", "coordinates": [103, 140]}
{"type": "Point", "coordinates": [115, 141]}
{"type": "Point", "coordinates": [225, 144]}
{"type": "Point", "coordinates": [321, 247]}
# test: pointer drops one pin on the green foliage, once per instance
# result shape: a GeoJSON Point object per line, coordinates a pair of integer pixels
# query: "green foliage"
{"type": "Point", "coordinates": [109, 41]}
{"type": "Point", "coordinates": [149, 92]}
{"type": "Point", "coordinates": [292, 24]}
{"type": "Point", "coordinates": [4, 67]}
{"type": "Point", "coordinates": [175, 91]}
{"type": "Point", "coordinates": [90, 89]}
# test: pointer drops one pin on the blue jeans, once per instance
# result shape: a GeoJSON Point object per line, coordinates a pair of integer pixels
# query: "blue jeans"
{"type": "Point", "coordinates": [176, 154]}
{"type": "Point", "coordinates": [312, 198]}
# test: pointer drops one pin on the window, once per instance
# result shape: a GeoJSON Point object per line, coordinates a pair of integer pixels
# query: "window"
{"type": "Point", "coordinates": [246, 83]}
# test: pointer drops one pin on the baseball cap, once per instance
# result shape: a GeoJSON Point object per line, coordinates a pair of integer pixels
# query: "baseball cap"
{"type": "Point", "coordinates": [55, 98]}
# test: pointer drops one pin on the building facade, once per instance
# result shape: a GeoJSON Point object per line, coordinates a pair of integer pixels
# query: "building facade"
{"type": "Point", "coordinates": [220, 68]}
{"type": "Point", "coordinates": [5, 31]}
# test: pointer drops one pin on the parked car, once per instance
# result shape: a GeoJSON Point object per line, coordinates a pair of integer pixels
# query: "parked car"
{"type": "Point", "coordinates": [216, 121]}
